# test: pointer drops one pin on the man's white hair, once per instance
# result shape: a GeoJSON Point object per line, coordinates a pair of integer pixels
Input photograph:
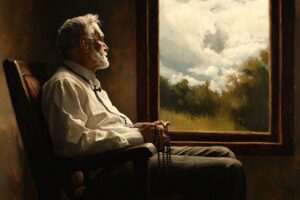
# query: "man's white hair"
{"type": "Point", "coordinates": [72, 29]}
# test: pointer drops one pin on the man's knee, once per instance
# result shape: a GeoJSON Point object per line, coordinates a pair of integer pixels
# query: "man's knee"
{"type": "Point", "coordinates": [235, 165]}
{"type": "Point", "coordinates": [223, 152]}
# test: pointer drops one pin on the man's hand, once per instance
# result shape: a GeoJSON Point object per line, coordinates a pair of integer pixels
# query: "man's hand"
{"type": "Point", "coordinates": [148, 129]}
{"type": "Point", "coordinates": [163, 124]}
{"type": "Point", "coordinates": [151, 125]}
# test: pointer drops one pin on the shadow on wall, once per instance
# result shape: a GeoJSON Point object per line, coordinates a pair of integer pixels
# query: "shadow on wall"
{"type": "Point", "coordinates": [16, 179]}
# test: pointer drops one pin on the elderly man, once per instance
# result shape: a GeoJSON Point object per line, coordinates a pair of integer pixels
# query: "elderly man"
{"type": "Point", "coordinates": [82, 120]}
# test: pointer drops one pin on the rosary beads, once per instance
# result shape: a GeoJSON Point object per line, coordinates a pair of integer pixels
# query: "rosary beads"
{"type": "Point", "coordinates": [164, 150]}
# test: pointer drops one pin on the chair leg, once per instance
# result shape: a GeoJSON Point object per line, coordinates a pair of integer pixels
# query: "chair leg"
{"type": "Point", "coordinates": [141, 172]}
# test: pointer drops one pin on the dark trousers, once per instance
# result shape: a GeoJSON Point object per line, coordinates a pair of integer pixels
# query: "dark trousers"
{"type": "Point", "coordinates": [206, 173]}
{"type": "Point", "coordinates": [203, 173]}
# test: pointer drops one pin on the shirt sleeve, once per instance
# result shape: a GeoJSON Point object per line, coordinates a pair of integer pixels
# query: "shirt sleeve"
{"type": "Point", "coordinates": [62, 108]}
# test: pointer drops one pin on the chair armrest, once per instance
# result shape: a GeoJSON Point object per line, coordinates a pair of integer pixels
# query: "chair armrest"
{"type": "Point", "coordinates": [93, 161]}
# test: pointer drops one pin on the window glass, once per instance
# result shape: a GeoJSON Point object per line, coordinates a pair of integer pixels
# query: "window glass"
{"type": "Point", "coordinates": [214, 64]}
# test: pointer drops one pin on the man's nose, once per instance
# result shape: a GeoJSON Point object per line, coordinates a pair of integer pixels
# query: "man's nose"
{"type": "Point", "coordinates": [106, 48]}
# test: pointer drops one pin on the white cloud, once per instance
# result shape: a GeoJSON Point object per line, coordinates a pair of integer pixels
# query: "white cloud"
{"type": "Point", "coordinates": [242, 52]}
{"type": "Point", "coordinates": [211, 71]}
{"type": "Point", "coordinates": [243, 23]}
{"type": "Point", "coordinates": [215, 86]}
{"type": "Point", "coordinates": [175, 78]}
{"type": "Point", "coordinates": [166, 71]}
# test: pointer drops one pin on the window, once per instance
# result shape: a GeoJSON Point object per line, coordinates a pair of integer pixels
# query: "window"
{"type": "Point", "coordinates": [275, 136]}
{"type": "Point", "coordinates": [213, 65]}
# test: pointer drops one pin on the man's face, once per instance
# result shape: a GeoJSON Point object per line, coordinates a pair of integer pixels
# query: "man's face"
{"type": "Point", "coordinates": [98, 51]}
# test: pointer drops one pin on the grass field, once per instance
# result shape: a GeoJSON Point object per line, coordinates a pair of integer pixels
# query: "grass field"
{"type": "Point", "coordinates": [184, 121]}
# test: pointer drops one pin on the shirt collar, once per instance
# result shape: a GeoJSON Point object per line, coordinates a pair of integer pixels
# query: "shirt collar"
{"type": "Point", "coordinates": [83, 71]}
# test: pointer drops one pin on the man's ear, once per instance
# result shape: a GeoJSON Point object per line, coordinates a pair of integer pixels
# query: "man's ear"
{"type": "Point", "coordinates": [84, 45]}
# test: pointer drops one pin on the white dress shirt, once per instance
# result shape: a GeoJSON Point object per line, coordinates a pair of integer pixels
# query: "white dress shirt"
{"type": "Point", "coordinates": [79, 124]}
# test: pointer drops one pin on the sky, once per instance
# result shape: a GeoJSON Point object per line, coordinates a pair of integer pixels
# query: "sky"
{"type": "Point", "coordinates": [204, 40]}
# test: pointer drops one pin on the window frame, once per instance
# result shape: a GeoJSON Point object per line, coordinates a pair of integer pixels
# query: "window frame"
{"type": "Point", "coordinates": [280, 138]}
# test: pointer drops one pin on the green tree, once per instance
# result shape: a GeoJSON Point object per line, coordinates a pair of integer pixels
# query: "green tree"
{"type": "Point", "coordinates": [202, 101]}
{"type": "Point", "coordinates": [165, 93]}
{"type": "Point", "coordinates": [247, 96]}
{"type": "Point", "coordinates": [198, 100]}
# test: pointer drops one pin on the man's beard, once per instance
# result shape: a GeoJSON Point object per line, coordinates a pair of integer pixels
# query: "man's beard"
{"type": "Point", "coordinates": [101, 61]}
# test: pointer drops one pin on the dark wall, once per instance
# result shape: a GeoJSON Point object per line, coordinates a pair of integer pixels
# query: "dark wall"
{"type": "Point", "coordinates": [278, 177]}
{"type": "Point", "coordinates": [28, 30]}
{"type": "Point", "coordinates": [29, 33]}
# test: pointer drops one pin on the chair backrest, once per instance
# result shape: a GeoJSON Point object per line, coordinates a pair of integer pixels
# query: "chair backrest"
{"type": "Point", "coordinates": [25, 81]}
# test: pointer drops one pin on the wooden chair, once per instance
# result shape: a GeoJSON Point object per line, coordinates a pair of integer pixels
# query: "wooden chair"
{"type": "Point", "coordinates": [50, 171]}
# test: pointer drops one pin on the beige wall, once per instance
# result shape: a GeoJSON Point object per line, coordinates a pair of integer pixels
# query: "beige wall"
{"type": "Point", "coordinates": [27, 31]}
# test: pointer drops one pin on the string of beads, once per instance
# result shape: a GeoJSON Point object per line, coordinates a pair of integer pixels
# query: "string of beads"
{"type": "Point", "coordinates": [164, 151]}
{"type": "Point", "coordinates": [100, 100]}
